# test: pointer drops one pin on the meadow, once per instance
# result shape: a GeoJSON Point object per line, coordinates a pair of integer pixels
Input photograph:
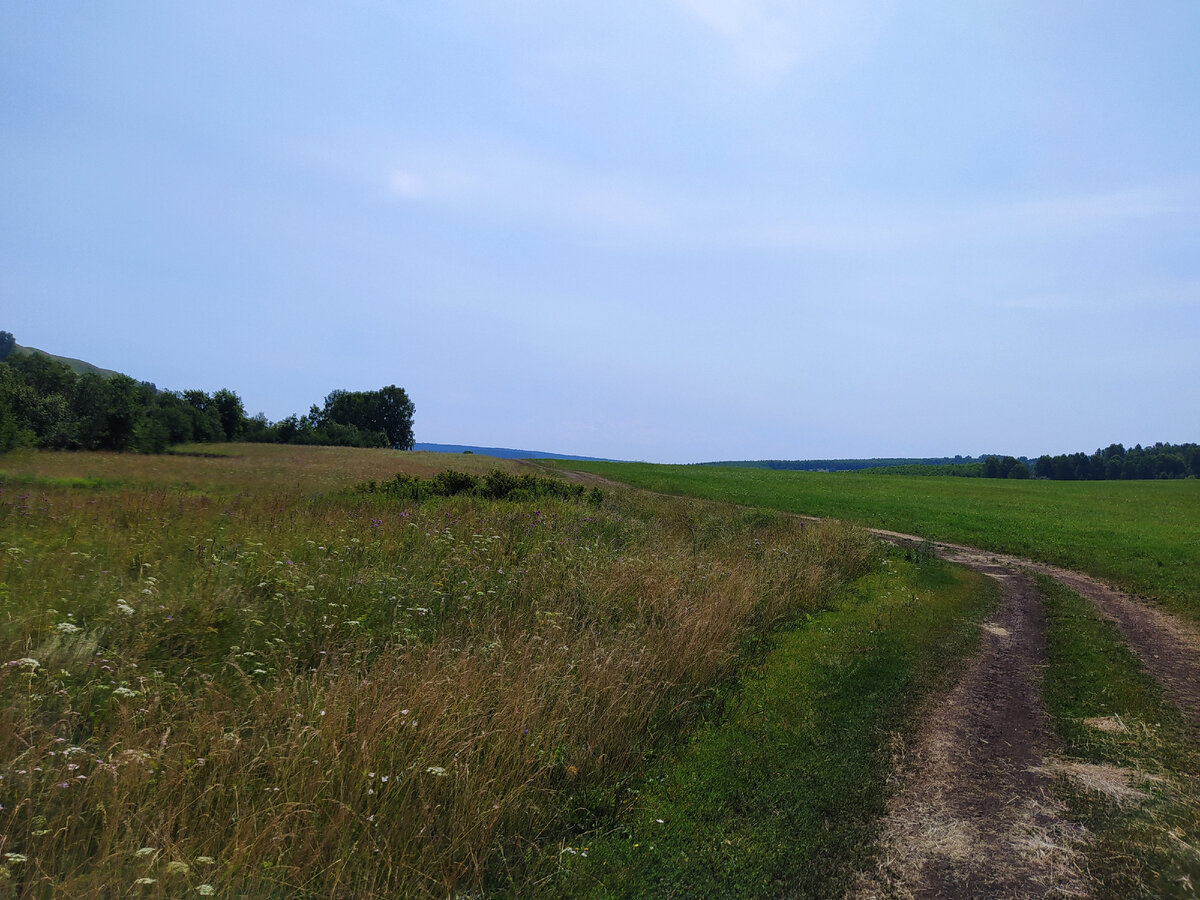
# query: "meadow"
{"type": "Point", "coordinates": [233, 671]}
{"type": "Point", "coordinates": [279, 671]}
{"type": "Point", "coordinates": [1141, 535]}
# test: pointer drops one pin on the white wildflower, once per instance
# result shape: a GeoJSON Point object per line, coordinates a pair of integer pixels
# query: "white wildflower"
{"type": "Point", "coordinates": [124, 608]}
{"type": "Point", "coordinates": [205, 890]}
{"type": "Point", "coordinates": [436, 770]}
{"type": "Point", "coordinates": [66, 628]}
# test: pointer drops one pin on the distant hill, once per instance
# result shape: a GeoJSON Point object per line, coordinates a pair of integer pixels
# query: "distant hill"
{"type": "Point", "coordinates": [504, 452]}
{"type": "Point", "coordinates": [78, 366]}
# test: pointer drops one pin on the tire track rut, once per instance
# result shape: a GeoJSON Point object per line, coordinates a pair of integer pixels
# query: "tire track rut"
{"type": "Point", "coordinates": [973, 814]}
{"type": "Point", "coordinates": [1168, 646]}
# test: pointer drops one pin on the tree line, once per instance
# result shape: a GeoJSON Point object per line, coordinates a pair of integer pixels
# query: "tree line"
{"type": "Point", "coordinates": [44, 403]}
{"type": "Point", "coordinates": [1112, 463]}
{"type": "Point", "coordinates": [1115, 462]}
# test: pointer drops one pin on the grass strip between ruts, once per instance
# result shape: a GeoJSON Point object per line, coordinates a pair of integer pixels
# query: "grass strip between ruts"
{"type": "Point", "coordinates": [1109, 712]}
{"type": "Point", "coordinates": [784, 794]}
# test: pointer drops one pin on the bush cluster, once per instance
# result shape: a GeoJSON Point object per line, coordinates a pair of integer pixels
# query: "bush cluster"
{"type": "Point", "coordinates": [496, 485]}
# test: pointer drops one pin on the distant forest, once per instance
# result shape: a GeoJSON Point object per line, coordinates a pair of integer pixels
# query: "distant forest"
{"type": "Point", "coordinates": [1114, 462]}
{"type": "Point", "coordinates": [848, 465]}
{"type": "Point", "coordinates": [45, 403]}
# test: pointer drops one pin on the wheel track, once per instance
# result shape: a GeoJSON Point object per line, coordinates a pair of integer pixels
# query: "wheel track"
{"type": "Point", "coordinates": [973, 812]}
{"type": "Point", "coordinates": [1168, 646]}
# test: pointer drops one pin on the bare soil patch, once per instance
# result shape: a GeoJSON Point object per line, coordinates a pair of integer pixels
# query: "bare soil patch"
{"type": "Point", "coordinates": [974, 813]}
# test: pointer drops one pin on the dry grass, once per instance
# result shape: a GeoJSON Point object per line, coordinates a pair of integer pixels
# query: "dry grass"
{"type": "Point", "coordinates": [245, 468]}
{"type": "Point", "coordinates": [1114, 782]}
{"type": "Point", "coordinates": [228, 673]}
{"type": "Point", "coordinates": [1107, 724]}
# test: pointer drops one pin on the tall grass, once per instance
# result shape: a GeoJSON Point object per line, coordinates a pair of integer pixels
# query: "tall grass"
{"type": "Point", "coordinates": [781, 796]}
{"type": "Point", "coordinates": [233, 469]}
{"type": "Point", "coordinates": [246, 684]}
{"type": "Point", "coordinates": [1141, 535]}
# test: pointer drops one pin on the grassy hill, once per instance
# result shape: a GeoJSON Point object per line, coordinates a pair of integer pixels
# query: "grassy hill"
{"type": "Point", "coordinates": [78, 366]}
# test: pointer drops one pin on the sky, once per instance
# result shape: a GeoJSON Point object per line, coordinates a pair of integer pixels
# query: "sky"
{"type": "Point", "coordinates": [666, 230]}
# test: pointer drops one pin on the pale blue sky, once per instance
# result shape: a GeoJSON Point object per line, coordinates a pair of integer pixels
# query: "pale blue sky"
{"type": "Point", "coordinates": [673, 230]}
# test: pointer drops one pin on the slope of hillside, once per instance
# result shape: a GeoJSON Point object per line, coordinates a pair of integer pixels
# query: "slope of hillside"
{"type": "Point", "coordinates": [78, 366]}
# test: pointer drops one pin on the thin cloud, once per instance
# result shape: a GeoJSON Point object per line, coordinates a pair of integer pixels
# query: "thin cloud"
{"type": "Point", "coordinates": [870, 228]}
{"type": "Point", "coordinates": [495, 180]}
{"type": "Point", "coordinates": [490, 179]}
{"type": "Point", "coordinates": [1172, 297]}
{"type": "Point", "coordinates": [770, 38]}
{"type": "Point", "coordinates": [406, 184]}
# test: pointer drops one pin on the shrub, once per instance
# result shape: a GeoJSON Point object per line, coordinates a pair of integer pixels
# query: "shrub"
{"type": "Point", "coordinates": [496, 485]}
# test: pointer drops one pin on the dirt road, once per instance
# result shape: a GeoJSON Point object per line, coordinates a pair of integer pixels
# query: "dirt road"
{"type": "Point", "coordinates": [1168, 647]}
{"type": "Point", "coordinates": [973, 814]}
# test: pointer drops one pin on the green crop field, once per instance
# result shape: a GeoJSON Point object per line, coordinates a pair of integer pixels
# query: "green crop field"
{"type": "Point", "coordinates": [1141, 535]}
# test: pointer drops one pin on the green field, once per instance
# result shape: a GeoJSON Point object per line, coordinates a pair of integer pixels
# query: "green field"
{"type": "Point", "coordinates": [1141, 535]}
